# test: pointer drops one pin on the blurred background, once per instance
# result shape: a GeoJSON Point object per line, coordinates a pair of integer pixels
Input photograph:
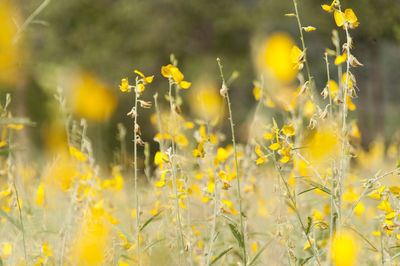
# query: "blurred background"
{"type": "Point", "coordinates": [84, 47]}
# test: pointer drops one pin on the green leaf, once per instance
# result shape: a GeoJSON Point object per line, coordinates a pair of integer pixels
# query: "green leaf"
{"type": "Point", "coordinates": [309, 223]}
{"type": "Point", "coordinates": [317, 185]}
{"type": "Point", "coordinates": [254, 259]}
{"type": "Point", "coordinates": [237, 235]}
{"type": "Point", "coordinates": [220, 255]}
{"type": "Point", "coordinates": [150, 220]}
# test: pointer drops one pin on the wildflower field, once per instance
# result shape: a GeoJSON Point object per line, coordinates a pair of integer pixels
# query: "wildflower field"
{"type": "Point", "coordinates": [149, 162]}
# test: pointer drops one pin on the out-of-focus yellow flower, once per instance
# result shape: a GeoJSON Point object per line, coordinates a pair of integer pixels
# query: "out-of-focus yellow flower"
{"type": "Point", "coordinates": [206, 102]}
{"type": "Point", "coordinates": [345, 249]}
{"type": "Point", "coordinates": [297, 57]}
{"type": "Point", "coordinates": [174, 72]}
{"type": "Point", "coordinates": [348, 16]}
{"type": "Point", "coordinates": [40, 195]}
{"type": "Point", "coordinates": [6, 251]}
{"type": "Point", "coordinates": [341, 59]}
{"type": "Point", "coordinates": [91, 98]}
{"type": "Point", "coordinates": [321, 147]}
{"type": "Point", "coordinates": [77, 154]}
{"type": "Point", "coordinates": [10, 51]}
{"type": "Point", "coordinates": [274, 57]}
{"type": "Point", "coordinates": [91, 243]}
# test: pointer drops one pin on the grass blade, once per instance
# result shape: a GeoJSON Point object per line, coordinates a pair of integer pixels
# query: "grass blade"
{"type": "Point", "coordinates": [220, 255]}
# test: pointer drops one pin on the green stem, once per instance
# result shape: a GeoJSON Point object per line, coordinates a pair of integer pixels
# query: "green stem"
{"type": "Point", "coordinates": [174, 172]}
{"type": "Point", "coordinates": [302, 40]}
{"type": "Point", "coordinates": [226, 95]}
{"type": "Point", "coordinates": [136, 175]}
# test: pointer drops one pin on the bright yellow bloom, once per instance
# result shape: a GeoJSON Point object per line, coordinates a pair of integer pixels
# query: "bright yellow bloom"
{"type": "Point", "coordinates": [309, 28]}
{"type": "Point", "coordinates": [274, 57]}
{"type": "Point", "coordinates": [348, 16]}
{"type": "Point", "coordinates": [124, 87]}
{"type": "Point", "coordinates": [40, 195]}
{"type": "Point", "coordinates": [328, 8]}
{"type": "Point", "coordinates": [275, 146]}
{"type": "Point", "coordinates": [288, 130]}
{"type": "Point", "coordinates": [91, 98]}
{"type": "Point", "coordinates": [77, 154]}
{"type": "Point", "coordinates": [174, 72]}
{"type": "Point", "coordinates": [341, 59]}
{"type": "Point", "coordinates": [296, 57]}
{"type": "Point", "coordinates": [148, 79]}
{"type": "Point", "coordinates": [345, 249]}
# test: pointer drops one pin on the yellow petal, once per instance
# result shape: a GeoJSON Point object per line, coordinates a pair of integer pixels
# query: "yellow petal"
{"type": "Point", "coordinates": [327, 8]}
{"type": "Point", "coordinates": [341, 59]}
{"type": "Point", "coordinates": [166, 70]}
{"type": "Point", "coordinates": [339, 18]}
{"type": "Point", "coordinates": [275, 146]}
{"type": "Point", "coordinates": [148, 79]}
{"type": "Point", "coordinates": [139, 73]}
{"type": "Point", "coordinates": [309, 28]}
{"type": "Point", "coordinates": [185, 84]}
{"type": "Point", "coordinates": [350, 16]}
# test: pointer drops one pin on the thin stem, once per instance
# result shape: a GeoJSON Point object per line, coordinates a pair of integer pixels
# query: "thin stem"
{"type": "Point", "coordinates": [302, 39]}
{"type": "Point", "coordinates": [215, 214]}
{"type": "Point", "coordinates": [329, 86]}
{"type": "Point", "coordinates": [136, 174]}
{"type": "Point", "coordinates": [174, 172]}
{"type": "Point", "coordinates": [10, 177]}
{"type": "Point", "coordinates": [226, 95]}
{"type": "Point", "coordinates": [343, 160]}
{"type": "Point", "coordinates": [30, 19]}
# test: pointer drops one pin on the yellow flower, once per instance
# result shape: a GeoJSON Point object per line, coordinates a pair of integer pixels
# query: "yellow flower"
{"type": "Point", "coordinates": [206, 102]}
{"type": "Point", "coordinates": [77, 154]}
{"type": "Point", "coordinates": [261, 158]}
{"type": "Point", "coordinates": [174, 72]}
{"type": "Point", "coordinates": [345, 249]}
{"type": "Point", "coordinates": [296, 57]}
{"type": "Point", "coordinates": [309, 28]}
{"type": "Point", "coordinates": [148, 79]}
{"type": "Point", "coordinates": [328, 8]}
{"type": "Point", "coordinates": [7, 249]}
{"type": "Point", "coordinates": [288, 130]}
{"type": "Point", "coordinates": [274, 58]}
{"type": "Point", "coordinates": [348, 16]}
{"type": "Point", "coordinates": [40, 195]}
{"type": "Point", "coordinates": [275, 146]}
{"type": "Point", "coordinates": [341, 59]}
{"type": "Point", "coordinates": [257, 93]}
{"type": "Point", "coordinates": [91, 98]}
{"type": "Point", "coordinates": [385, 206]}
{"type": "Point", "coordinates": [124, 87]}
{"type": "Point", "coordinates": [11, 52]}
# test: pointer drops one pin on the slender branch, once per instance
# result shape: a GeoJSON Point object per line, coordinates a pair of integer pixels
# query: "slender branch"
{"type": "Point", "coordinates": [226, 95]}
